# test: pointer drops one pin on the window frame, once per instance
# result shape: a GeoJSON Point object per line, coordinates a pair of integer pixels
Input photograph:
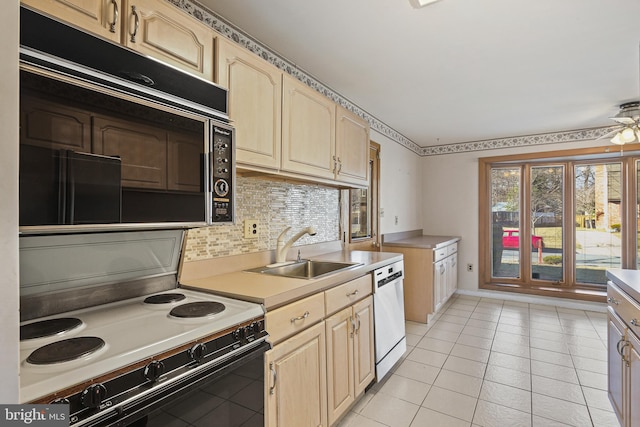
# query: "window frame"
{"type": "Point", "coordinates": [568, 288]}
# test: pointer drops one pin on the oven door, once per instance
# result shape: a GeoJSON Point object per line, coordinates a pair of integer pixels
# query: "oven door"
{"type": "Point", "coordinates": [229, 395]}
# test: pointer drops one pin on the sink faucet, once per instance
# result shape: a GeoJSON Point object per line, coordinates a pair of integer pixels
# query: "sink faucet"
{"type": "Point", "coordinates": [282, 247]}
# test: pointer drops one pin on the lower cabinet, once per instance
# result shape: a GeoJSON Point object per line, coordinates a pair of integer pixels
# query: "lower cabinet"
{"type": "Point", "coordinates": [296, 380]}
{"type": "Point", "coordinates": [350, 359]}
{"type": "Point", "coordinates": [624, 356]}
{"type": "Point", "coordinates": [430, 278]}
{"type": "Point", "coordinates": [313, 377]}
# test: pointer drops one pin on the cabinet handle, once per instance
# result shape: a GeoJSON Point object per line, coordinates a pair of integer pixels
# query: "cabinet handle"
{"type": "Point", "coordinates": [136, 21]}
{"type": "Point", "coordinates": [624, 359]}
{"type": "Point", "coordinates": [353, 294]}
{"type": "Point", "coordinates": [441, 269]}
{"type": "Point", "coordinates": [353, 326]}
{"type": "Point", "coordinates": [358, 319]}
{"type": "Point", "coordinates": [339, 166]}
{"type": "Point", "coordinates": [274, 377]}
{"type": "Point", "coordinates": [612, 300]}
{"type": "Point", "coordinates": [304, 316]}
{"type": "Point", "coordinates": [618, 346]}
{"type": "Point", "coordinates": [112, 25]}
{"type": "Point", "coordinates": [335, 165]}
{"type": "Point", "coordinates": [634, 322]}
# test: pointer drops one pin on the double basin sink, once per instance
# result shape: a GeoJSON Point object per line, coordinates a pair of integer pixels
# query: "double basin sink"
{"type": "Point", "coordinates": [306, 269]}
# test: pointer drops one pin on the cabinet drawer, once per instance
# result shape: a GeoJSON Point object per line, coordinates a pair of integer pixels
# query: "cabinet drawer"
{"type": "Point", "coordinates": [347, 293]}
{"type": "Point", "coordinates": [452, 249]}
{"type": "Point", "coordinates": [440, 253]}
{"type": "Point", "coordinates": [625, 307]}
{"type": "Point", "coordinates": [294, 317]}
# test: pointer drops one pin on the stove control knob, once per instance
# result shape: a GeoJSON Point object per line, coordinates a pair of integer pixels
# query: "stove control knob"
{"type": "Point", "coordinates": [154, 370]}
{"type": "Point", "coordinates": [239, 334]}
{"type": "Point", "coordinates": [197, 352]}
{"type": "Point", "coordinates": [93, 395]}
{"type": "Point", "coordinates": [257, 327]}
{"type": "Point", "coordinates": [60, 401]}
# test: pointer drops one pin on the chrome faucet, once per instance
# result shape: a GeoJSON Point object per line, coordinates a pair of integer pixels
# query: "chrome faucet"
{"type": "Point", "coordinates": [282, 247]}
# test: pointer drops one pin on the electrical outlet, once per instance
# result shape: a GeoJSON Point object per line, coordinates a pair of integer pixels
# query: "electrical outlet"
{"type": "Point", "coordinates": [251, 227]}
{"type": "Point", "coordinates": [470, 267]}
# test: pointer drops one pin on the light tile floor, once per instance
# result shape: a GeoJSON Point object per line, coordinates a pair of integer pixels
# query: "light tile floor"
{"type": "Point", "coordinates": [493, 363]}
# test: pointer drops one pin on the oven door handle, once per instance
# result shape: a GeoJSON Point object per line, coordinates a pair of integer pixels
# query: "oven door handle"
{"type": "Point", "coordinates": [274, 376]}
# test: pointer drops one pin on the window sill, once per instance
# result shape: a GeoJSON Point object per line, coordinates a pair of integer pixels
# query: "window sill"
{"type": "Point", "coordinates": [581, 294]}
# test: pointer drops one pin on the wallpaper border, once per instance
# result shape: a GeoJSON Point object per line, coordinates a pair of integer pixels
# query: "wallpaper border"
{"type": "Point", "coordinates": [222, 26]}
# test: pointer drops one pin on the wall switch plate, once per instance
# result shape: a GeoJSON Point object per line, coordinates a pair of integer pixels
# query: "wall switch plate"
{"type": "Point", "coordinates": [251, 227]}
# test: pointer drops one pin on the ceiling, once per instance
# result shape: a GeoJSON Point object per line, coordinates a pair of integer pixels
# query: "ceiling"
{"type": "Point", "coordinates": [460, 70]}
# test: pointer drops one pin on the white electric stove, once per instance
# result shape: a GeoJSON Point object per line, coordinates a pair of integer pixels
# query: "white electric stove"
{"type": "Point", "coordinates": [114, 352]}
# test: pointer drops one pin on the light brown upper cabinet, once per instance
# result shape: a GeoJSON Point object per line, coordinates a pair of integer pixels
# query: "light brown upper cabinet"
{"type": "Point", "coordinates": [308, 131]}
{"type": "Point", "coordinates": [352, 147]}
{"type": "Point", "coordinates": [158, 29]}
{"type": "Point", "coordinates": [101, 17]}
{"type": "Point", "coordinates": [255, 97]}
{"type": "Point", "coordinates": [322, 139]}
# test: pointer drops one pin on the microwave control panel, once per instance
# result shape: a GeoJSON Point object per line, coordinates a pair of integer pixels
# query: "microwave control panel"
{"type": "Point", "coordinates": [223, 174]}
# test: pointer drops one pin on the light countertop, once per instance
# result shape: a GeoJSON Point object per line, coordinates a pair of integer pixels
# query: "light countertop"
{"type": "Point", "coordinates": [423, 242]}
{"type": "Point", "coordinates": [275, 291]}
{"type": "Point", "coordinates": [627, 280]}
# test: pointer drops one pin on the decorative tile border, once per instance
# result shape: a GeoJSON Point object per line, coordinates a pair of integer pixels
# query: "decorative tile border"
{"type": "Point", "coordinates": [517, 141]}
{"type": "Point", "coordinates": [233, 33]}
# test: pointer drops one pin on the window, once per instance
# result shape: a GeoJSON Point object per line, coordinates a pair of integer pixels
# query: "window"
{"type": "Point", "coordinates": [556, 222]}
{"type": "Point", "coordinates": [363, 207]}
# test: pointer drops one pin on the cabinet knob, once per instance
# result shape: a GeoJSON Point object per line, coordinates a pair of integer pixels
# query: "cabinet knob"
{"type": "Point", "coordinates": [612, 300]}
{"type": "Point", "coordinates": [634, 322]}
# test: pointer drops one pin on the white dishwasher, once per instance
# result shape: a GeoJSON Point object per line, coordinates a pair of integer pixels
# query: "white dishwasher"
{"type": "Point", "coordinates": [388, 314]}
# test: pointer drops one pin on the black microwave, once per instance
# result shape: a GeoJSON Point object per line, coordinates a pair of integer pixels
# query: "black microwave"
{"type": "Point", "coordinates": [111, 139]}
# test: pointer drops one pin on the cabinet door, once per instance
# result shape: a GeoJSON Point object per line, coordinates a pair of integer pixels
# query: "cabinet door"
{"type": "Point", "coordinates": [184, 151]}
{"type": "Point", "coordinates": [633, 355]}
{"type": "Point", "coordinates": [51, 125]}
{"type": "Point", "coordinates": [100, 17]}
{"type": "Point", "coordinates": [159, 29]}
{"type": "Point", "coordinates": [616, 366]}
{"type": "Point", "coordinates": [439, 284]}
{"type": "Point", "coordinates": [452, 274]}
{"type": "Point", "coordinates": [143, 150]}
{"type": "Point", "coordinates": [352, 147]}
{"type": "Point", "coordinates": [364, 367]}
{"type": "Point", "coordinates": [295, 381]}
{"type": "Point", "coordinates": [308, 130]}
{"type": "Point", "coordinates": [255, 104]}
{"type": "Point", "coordinates": [340, 387]}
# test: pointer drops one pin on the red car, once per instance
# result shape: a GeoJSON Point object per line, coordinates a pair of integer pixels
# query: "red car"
{"type": "Point", "coordinates": [511, 239]}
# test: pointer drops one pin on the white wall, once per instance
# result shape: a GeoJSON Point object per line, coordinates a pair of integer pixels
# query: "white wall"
{"type": "Point", "coordinates": [9, 41]}
{"type": "Point", "coordinates": [400, 186]}
{"type": "Point", "coordinates": [450, 202]}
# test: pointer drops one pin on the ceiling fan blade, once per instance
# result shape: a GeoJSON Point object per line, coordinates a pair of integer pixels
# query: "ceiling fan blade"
{"type": "Point", "coordinates": [624, 120]}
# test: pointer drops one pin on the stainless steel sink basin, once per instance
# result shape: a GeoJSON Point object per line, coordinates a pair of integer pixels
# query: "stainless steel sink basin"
{"type": "Point", "coordinates": [306, 269]}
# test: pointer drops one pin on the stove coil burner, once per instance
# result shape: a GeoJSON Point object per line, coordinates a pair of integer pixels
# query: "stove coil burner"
{"type": "Point", "coordinates": [164, 298]}
{"type": "Point", "coordinates": [197, 309]}
{"type": "Point", "coordinates": [48, 328]}
{"type": "Point", "coordinates": [65, 350]}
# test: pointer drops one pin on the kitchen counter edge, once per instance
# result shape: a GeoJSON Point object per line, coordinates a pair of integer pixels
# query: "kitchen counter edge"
{"type": "Point", "coordinates": [423, 242]}
{"type": "Point", "coordinates": [627, 280]}
{"type": "Point", "coordinates": [276, 291]}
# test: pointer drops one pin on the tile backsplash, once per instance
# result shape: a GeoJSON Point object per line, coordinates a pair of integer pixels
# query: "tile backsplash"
{"type": "Point", "coordinates": [275, 205]}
